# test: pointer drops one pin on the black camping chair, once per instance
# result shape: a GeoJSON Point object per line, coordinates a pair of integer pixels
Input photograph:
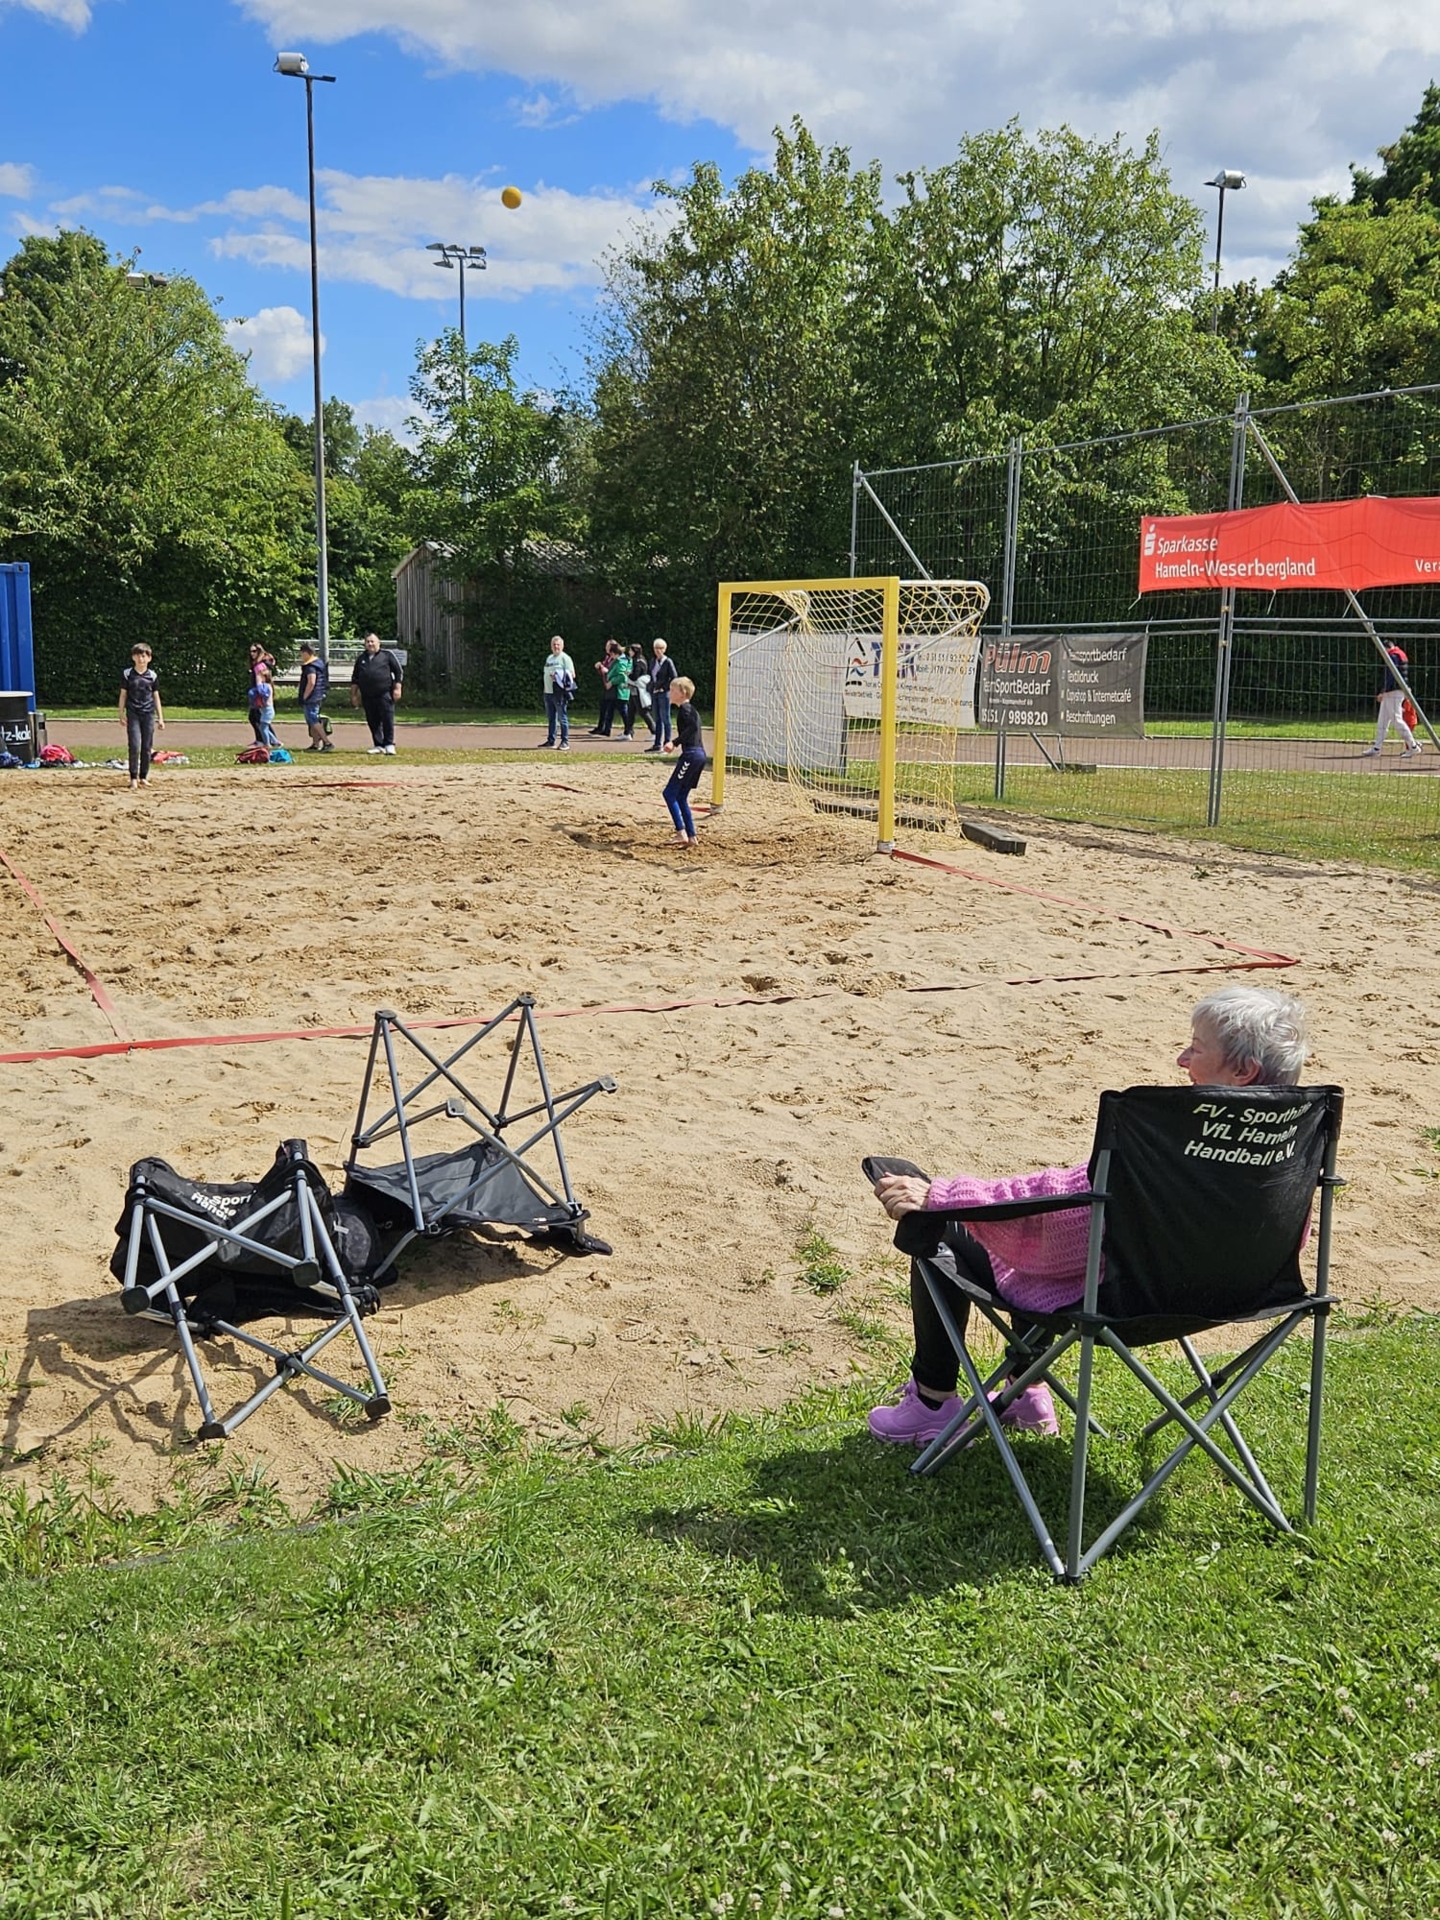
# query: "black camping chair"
{"type": "Point", "coordinates": [1199, 1200]}
{"type": "Point", "coordinates": [488, 1181]}
{"type": "Point", "coordinates": [206, 1258]}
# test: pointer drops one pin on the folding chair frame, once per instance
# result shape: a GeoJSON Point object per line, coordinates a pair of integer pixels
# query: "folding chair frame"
{"type": "Point", "coordinates": [317, 1268]}
{"type": "Point", "coordinates": [1086, 1328]}
{"type": "Point", "coordinates": [399, 1117]}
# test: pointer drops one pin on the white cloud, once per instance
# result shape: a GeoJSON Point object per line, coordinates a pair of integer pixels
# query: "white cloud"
{"type": "Point", "coordinates": [374, 228]}
{"type": "Point", "coordinates": [70, 13]}
{"type": "Point", "coordinates": [541, 110]}
{"type": "Point", "coordinates": [388, 412]}
{"type": "Point", "coordinates": [1287, 90]}
{"type": "Point", "coordinates": [16, 182]}
{"type": "Point", "coordinates": [276, 341]}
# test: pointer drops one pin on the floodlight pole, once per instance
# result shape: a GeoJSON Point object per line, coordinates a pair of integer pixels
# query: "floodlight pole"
{"type": "Point", "coordinates": [1228, 181]}
{"type": "Point", "coordinates": [295, 67]}
{"type": "Point", "coordinates": [451, 255]}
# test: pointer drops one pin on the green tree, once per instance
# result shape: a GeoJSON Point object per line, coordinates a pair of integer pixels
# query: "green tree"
{"type": "Point", "coordinates": [141, 475]}
{"type": "Point", "coordinates": [779, 328]}
{"type": "Point", "coordinates": [488, 456]}
{"type": "Point", "coordinates": [368, 504]}
{"type": "Point", "coordinates": [343, 435]}
{"type": "Point", "coordinates": [1358, 306]}
{"type": "Point", "coordinates": [726, 381]}
{"type": "Point", "coordinates": [1043, 282]}
{"type": "Point", "coordinates": [1412, 164]}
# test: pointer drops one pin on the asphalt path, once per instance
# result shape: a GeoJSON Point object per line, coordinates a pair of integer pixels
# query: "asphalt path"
{"type": "Point", "coordinates": [1168, 753]}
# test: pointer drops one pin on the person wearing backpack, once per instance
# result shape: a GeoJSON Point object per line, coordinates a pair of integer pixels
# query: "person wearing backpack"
{"type": "Point", "coordinates": [376, 684]}
{"type": "Point", "coordinates": [314, 685]}
{"type": "Point", "coordinates": [559, 683]}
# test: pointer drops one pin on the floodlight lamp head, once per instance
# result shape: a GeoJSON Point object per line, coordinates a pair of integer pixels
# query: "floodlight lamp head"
{"type": "Point", "coordinates": [1227, 178]}
{"type": "Point", "coordinates": [477, 255]}
{"type": "Point", "coordinates": [295, 65]}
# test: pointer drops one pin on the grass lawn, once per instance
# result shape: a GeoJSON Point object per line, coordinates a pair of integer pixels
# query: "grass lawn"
{"type": "Point", "coordinates": [1390, 817]}
{"type": "Point", "coordinates": [1321, 816]}
{"type": "Point", "coordinates": [408, 713]}
{"type": "Point", "coordinates": [751, 1670]}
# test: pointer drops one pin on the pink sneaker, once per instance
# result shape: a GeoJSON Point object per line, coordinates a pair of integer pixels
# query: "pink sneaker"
{"type": "Point", "coordinates": [1033, 1412]}
{"type": "Point", "coordinates": [911, 1423]}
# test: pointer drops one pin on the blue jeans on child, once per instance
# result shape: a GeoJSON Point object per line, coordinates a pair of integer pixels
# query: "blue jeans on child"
{"type": "Point", "coordinates": [684, 778]}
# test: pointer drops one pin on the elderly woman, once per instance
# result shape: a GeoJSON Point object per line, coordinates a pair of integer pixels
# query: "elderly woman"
{"type": "Point", "coordinates": [1239, 1037]}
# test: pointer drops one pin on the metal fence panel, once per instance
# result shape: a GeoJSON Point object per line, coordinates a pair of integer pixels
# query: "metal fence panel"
{"type": "Point", "coordinates": [1256, 723]}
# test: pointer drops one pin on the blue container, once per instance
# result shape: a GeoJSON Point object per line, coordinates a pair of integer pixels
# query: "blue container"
{"type": "Point", "coordinates": [17, 646]}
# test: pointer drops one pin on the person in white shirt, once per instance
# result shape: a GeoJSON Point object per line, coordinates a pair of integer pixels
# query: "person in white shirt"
{"type": "Point", "coordinates": [559, 692]}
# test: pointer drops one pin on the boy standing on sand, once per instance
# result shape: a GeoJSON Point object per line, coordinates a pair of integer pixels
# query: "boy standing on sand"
{"type": "Point", "coordinates": [689, 767]}
{"type": "Point", "coordinates": [141, 711]}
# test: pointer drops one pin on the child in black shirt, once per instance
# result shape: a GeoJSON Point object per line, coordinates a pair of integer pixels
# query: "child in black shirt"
{"type": "Point", "coordinates": [141, 711]}
{"type": "Point", "coordinates": [685, 774]}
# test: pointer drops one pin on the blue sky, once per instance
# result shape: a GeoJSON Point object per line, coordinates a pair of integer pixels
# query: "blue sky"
{"type": "Point", "coordinates": [159, 125]}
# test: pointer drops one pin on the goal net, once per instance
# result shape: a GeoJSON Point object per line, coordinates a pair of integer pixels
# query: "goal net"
{"type": "Point", "coordinates": [853, 691]}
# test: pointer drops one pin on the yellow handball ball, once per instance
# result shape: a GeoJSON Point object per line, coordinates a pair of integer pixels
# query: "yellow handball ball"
{"type": "Point", "coordinates": [510, 197]}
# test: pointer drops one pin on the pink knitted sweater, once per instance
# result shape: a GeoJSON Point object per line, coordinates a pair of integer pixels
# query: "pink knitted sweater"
{"type": "Point", "coordinates": [1039, 1262]}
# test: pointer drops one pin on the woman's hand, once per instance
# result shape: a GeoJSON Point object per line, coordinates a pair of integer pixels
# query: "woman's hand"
{"type": "Point", "coordinates": [902, 1193]}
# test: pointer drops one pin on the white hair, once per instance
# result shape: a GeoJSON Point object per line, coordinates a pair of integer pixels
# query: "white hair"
{"type": "Point", "coordinates": [1257, 1027]}
{"type": "Point", "coordinates": [661, 644]}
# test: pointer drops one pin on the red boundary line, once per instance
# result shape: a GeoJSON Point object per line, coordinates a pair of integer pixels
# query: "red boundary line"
{"type": "Point", "coordinates": [97, 991]}
{"type": "Point", "coordinates": [1259, 957]}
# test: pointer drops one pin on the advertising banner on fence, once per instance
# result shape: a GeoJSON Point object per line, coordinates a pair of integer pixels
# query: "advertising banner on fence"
{"type": "Point", "coordinates": [1326, 545]}
{"type": "Point", "coordinates": [935, 682]}
{"type": "Point", "coordinates": [1064, 683]}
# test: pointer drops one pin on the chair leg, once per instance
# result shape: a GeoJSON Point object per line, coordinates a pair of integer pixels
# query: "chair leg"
{"type": "Point", "coordinates": [1211, 1387]}
{"type": "Point", "coordinates": [1198, 1431]}
{"type": "Point", "coordinates": [1317, 1400]}
{"type": "Point", "coordinates": [1012, 1467]}
{"type": "Point", "coordinates": [1075, 1534]}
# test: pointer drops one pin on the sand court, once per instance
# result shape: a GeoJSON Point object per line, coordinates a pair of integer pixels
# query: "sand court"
{"type": "Point", "coordinates": [864, 1005]}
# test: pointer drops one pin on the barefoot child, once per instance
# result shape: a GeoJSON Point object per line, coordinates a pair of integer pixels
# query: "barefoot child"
{"type": "Point", "coordinates": [141, 711]}
{"type": "Point", "coordinates": [685, 775]}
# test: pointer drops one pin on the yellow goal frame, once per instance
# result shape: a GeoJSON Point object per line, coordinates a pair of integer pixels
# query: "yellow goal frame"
{"type": "Point", "coordinates": [888, 585]}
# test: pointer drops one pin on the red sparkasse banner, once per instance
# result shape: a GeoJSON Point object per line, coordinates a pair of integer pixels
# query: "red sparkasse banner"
{"type": "Point", "coordinates": [1329, 544]}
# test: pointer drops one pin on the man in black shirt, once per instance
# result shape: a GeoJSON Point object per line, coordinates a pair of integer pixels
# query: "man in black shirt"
{"type": "Point", "coordinates": [376, 684]}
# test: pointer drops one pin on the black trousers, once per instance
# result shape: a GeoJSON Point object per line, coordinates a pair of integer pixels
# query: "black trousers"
{"type": "Point", "coordinates": [140, 736]}
{"type": "Point", "coordinates": [608, 704]}
{"type": "Point", "coordinates": [936, 1365]}
{"type": "Point", "coordinates": [380, 718]}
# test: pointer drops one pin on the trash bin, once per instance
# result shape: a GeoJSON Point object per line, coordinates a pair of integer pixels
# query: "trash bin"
{"type": "Point", "coordinates": [18, 734]}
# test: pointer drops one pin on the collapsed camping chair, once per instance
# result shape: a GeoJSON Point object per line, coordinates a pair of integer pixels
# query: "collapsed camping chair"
{"type": "Point", "coordinates": [487, 1182]}
{"type": "Point", "coordinates": [1199, 1200]}
{"type": "Point", "coordinates": [205, 1258]}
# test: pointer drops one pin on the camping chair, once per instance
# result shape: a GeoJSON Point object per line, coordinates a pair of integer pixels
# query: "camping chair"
{"type": "Point", "coordinates": [1199, 1201]}
{"type": "Point", "coordinates": [486, 1182]}
{"type": "Point", "coordinates": [203, 1258]}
